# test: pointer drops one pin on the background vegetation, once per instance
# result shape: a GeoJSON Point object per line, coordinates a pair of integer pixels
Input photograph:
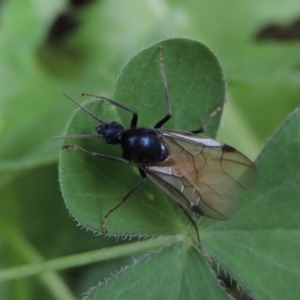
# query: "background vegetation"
{"type": "Point", "coordinates": [47, 48]}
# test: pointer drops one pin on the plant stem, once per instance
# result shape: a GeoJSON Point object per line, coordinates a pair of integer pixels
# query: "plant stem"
{"type": "Point", "coordinates": [88, 257]}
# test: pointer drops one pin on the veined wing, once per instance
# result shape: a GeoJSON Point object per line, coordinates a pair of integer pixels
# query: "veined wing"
{"type": "Point", "coordinates": [203, 174]}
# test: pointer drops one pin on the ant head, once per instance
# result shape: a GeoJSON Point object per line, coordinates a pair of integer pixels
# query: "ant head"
{"type": "Point", "coordinates": [112, 133]}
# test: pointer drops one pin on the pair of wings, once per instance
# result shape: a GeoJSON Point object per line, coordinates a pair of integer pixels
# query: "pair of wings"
{"type": "Point", "coordinates": [203, 174]}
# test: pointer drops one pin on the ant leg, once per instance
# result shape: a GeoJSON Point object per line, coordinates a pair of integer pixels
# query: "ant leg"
{"type": "Point", "coordinates": [166, 91]}
{"type": "Point", "coordinates": [95, 154]}
{"type": "Point", "coordinates": [219, 108]}
{"type": "Point", "coordinates": [193, 223]}
{"type": "Point", "coordinates": [115, 103]}
{"type": "Point", "coordinates": [134, 189]}
{"type": "Point", "coordinates": [205, 253]}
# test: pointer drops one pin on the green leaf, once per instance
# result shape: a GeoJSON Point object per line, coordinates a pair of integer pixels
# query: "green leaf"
{"type": "Point", "coordinates": [178, 272]}
{"type": "Point", "coordinates": [260, 246]}
{"type": "Point", "coordinates": [24, 104]}
{"type": "Point", "coordinates": [32, 110]}
{"type": "Point", "coordinates": [91, 187]}
{"type": "Point", "coordinates": [32, 107]}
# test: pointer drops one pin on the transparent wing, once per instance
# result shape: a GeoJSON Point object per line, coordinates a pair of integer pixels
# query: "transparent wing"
{"type": "Point", "coordinates": [203, 174]}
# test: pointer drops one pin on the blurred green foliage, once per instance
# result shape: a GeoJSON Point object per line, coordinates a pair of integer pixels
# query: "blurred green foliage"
{"type": "Point", "coordinates": [50, 47]}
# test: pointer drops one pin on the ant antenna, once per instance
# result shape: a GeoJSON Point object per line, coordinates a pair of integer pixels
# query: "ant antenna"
{"type": "Point", "coordinates": [84, 109]}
